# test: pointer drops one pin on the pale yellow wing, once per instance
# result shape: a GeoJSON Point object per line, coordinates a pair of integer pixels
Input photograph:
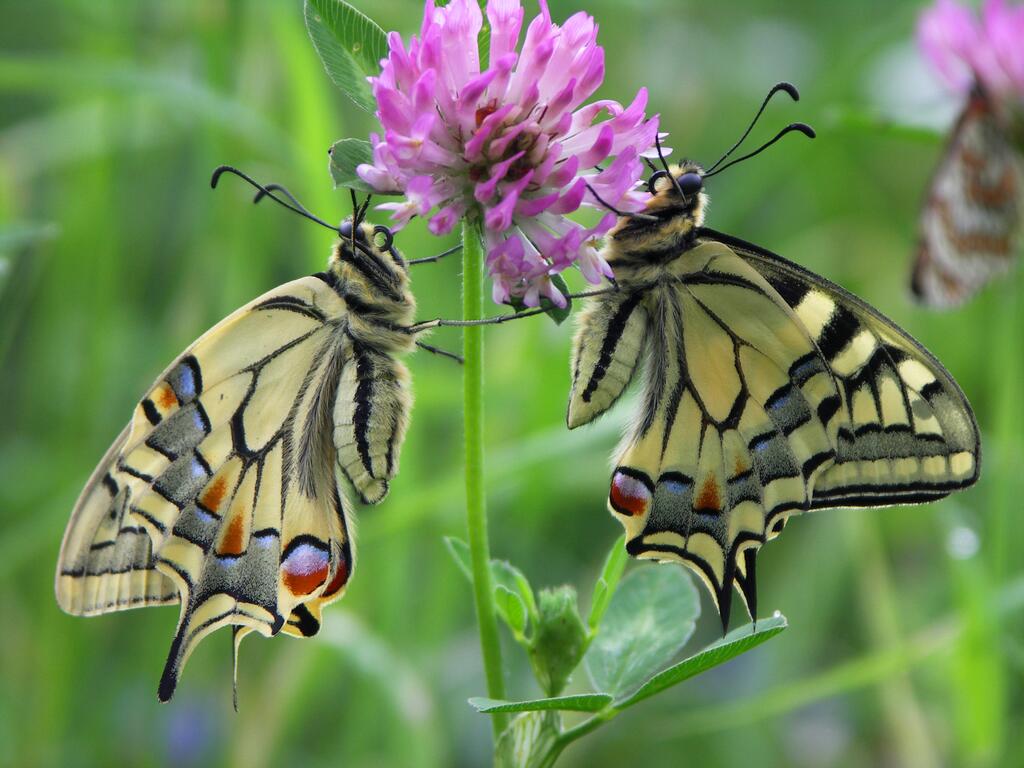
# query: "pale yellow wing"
{"type": "Point", "coordinates": [610, 336]}
{"type": "Point", "coordinates": [228, 470]}
{"type": "Point", "coordinates": [106, 561]}
{"type": "Point", "coordinates": [753, 412]}
{"type": "Point", "coordinates": [906, 432]}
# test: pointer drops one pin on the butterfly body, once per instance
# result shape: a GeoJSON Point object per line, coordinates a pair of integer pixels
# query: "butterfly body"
{"type": "Point", "coordinates": [768, 391]}
{"type": "Point", "coordinates": [222, 492]}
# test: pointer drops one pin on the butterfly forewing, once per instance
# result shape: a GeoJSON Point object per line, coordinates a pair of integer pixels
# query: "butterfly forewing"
{"type": "Point", "coordinates": [906, 432]}
{"type": "Point", "coordinates": [971, 222]}
{"type": "Point", "coordinates": [106, 561]}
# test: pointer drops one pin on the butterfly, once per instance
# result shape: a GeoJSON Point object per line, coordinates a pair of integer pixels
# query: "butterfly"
{"type": "Point", "coordinates": [222, 493]}
{"type": "Point", "coordinates": [971, 221]}
{"type": "Point", "coordinates": [768, 391]}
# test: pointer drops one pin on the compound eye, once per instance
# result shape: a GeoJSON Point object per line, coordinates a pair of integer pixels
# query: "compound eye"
{"type": "Point", "coordinates": [652, 183]}
{"type": "Point", "coordinates": [345, 230]}
{"type": "Point", "coordinates": [382, 237]}
{"type": "Point", "coordinates": [690, 183]}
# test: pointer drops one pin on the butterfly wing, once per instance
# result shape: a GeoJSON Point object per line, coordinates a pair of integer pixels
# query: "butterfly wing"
{"type": "Point", "coordinates": [610, 337]}
{"type": "Point", "coordinates": [755, 410]}
{"type": "Point", "coordinates": [972, 217]}
{"type": "Point", "coordinates": [227, 469]}
{"type": "Point", "coordinates": [906, 432]}
{"type": "Point", "coordinates": [106, 562]}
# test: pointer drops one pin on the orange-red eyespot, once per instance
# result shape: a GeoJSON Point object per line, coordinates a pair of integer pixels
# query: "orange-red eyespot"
{"type": "Point", "coordinates": [340, 577]}
{"type": "Point", "coordinates": [304, 565]}
{"type": "Point", "coordinates": [630, 495]}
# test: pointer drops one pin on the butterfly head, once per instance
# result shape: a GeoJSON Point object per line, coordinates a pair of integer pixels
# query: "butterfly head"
{"type": "Point", "coordinates": [673, 213]}
{"type": "Point", "coordinates": [366, 260]}
{"type": "Point", "coordinates": [678, 191]}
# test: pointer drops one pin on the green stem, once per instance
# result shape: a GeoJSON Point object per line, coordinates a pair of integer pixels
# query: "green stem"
{"type": "Point", "coordinates": [476, 509]}
{"type": "Point", "coordinates": [567, 737]}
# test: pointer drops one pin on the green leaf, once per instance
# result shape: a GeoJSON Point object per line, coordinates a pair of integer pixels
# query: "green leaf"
{"type": "Point", "coordinates": [504, 574]}
{"type": "Point", "coordinates": [559, 639]}
{"type": "Point", "coordinates": [552, 310]}
{"type": "Point", "coordinates": [511, 609]}
{"type": "Point", "coordinates": [510, 577]}
{"type": "Point", "coordinates": [650, 618]}
{"type": "Point", "coordinates": [614, 565]}
{"type": "Point", "coordinates": [737, 642]}
{"type": "Point", "coordinates": [347, 155]}
{"type": "Point", "coordinates": [527, 740]}
{"type": "Point", "coordinates": [584, 702]}
{"type": "Point", "coordinates": [459, 551]}
{"type": "Point", "coordinates": [350, 46]}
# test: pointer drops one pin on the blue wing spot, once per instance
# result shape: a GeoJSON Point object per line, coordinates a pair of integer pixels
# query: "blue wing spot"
{"type": "Point", "coordinates": [779, 399]}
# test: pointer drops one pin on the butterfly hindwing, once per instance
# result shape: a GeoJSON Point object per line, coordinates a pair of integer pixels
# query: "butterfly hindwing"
{"type": "Point", "coordinates": [607, 347]}
{"type": "Point", "coordinates": [971, 221]}
{"type": "Point", "coordinates": [228, 470]}
{"type": "Point", "coordinates": [729, 440]}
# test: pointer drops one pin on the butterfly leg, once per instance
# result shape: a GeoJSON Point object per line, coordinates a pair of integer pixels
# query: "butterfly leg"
{"type": "Point", "coordinates": [438, 257]}
{"type": "Point", "coordinates": [443, 352]}
{"type": "Point", "coordinates": [441, 322]}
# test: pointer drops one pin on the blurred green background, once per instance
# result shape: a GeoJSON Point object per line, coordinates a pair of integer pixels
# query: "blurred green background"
{"type": "Point", "coordinates": [905, 642]}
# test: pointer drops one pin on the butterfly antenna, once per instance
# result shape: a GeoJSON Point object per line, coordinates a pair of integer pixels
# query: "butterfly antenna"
{"type": "Point", "coordinates": [356, 217]}
{"type": "Point", "coordinates": [803, 128]}
{"type": "Point", "coordinates": [788, 88]}
{"type": "Point", "coordinates": [661, 156]}
{"type": "Point", "coordinates": [268, 188]}
{"type": "Point", "coordinates": [268, 192]}
{"type": "Point", "coordinates": [365, 208]}
{"type": "Point", "coordinates": [616, 211]}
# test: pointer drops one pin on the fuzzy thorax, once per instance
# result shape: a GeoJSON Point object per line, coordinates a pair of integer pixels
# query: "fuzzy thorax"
{"type": "Point", "coordinates": [374, 281]}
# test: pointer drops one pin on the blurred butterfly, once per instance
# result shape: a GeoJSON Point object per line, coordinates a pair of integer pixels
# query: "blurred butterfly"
{"type": "Point", "coordinates": [971, 222]}
{"type": "Point", "coordinates": [768, 391]}
{"type": "Point", "coordinates": [222, 492]}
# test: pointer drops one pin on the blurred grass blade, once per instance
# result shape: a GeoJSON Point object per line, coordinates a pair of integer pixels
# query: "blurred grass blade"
{"type": "Point", "coordinates": [350, 46]}
{"type": "Point", "coordinates": [346, 156]}
{"type": "Point", "coordinates": [650, 618]}
{"type": "Point", "coordinates": [394, 675]}
{"type": "Point", "coordinates": [840, 679]}
{"type": "Point", "coordinates": [186, 102]}
{"type": "Point", "coordinates": [16, 236]}
{"type": "Point", "coordinates": [737, 642]}
{"type": "Point", "coordinates": [584, 702]}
